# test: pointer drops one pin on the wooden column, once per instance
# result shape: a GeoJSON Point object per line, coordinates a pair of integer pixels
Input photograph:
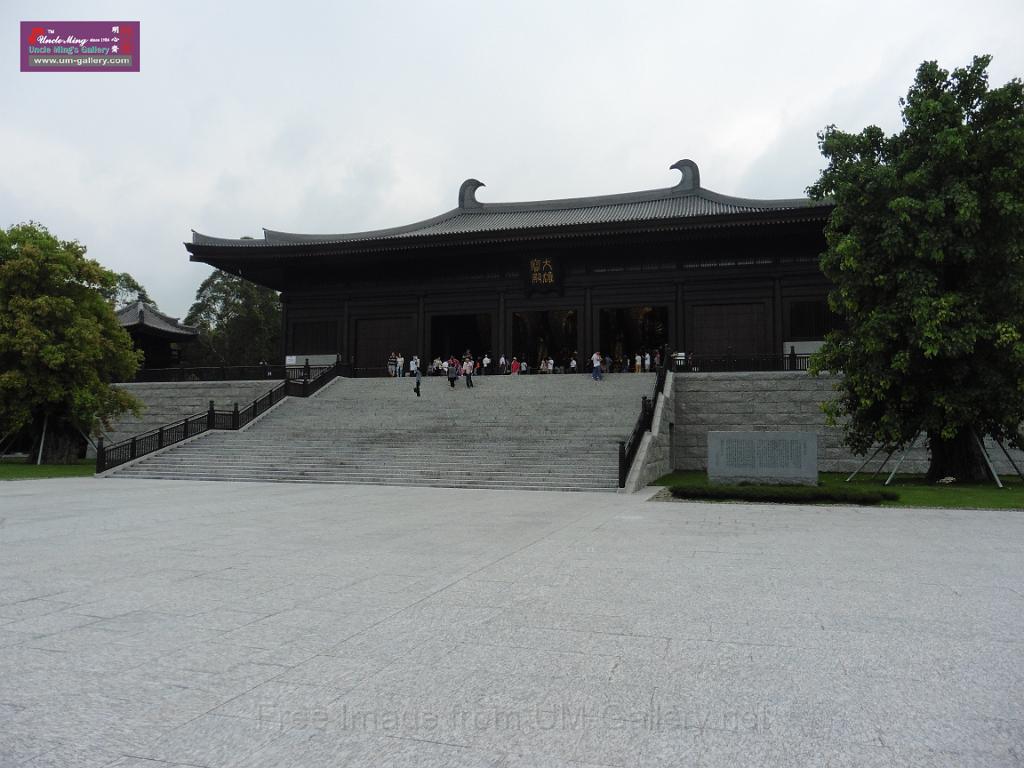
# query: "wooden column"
{"type": "Point", "coordinates": [421, 336]}
{"type": "Point", "coordinates": [502, 330]}
{"type": "Point", "coordinates": [346, 344]}
{"type": "Point", "coordinates": [284, 326]}
{"type": "Point", "coordinates": [679, 342]}
{"type": "Point", "coordinates": [777, 339]}
{"type": "Point", "coordinates": [589, 336]}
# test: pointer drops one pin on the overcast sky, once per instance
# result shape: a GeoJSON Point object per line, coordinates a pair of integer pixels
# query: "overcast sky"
{"type": "Point", "coordinates": [342, 116]}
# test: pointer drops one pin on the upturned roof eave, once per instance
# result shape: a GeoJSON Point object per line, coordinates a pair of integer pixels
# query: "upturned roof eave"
{"type": "Point", "coordinates": [818, 211]}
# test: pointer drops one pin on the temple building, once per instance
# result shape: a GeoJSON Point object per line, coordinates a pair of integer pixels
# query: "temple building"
{"type": "Point", "coordinates": [702, 272]}
{"type": "Point", "coordinates": [158, 336]}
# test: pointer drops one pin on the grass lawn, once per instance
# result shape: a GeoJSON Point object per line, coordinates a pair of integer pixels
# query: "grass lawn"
{"type": "Point", "coordinates": [19, 470]}
{"type": "Point", "coordinates": [913, 490]}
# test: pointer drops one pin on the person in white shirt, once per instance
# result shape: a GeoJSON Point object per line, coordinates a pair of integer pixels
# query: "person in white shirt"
{"type": "Point", "coordinates": [572, 364]}
{"type": "Point", "coordinates": [400, 366]}
{"type": "Point", "coordinates": [595, 361]}
{"type": "Point", "coordinates": [647, 362]}
{"type": "Point", "coordinates": [486, 364]}
{"type": "Point", "coordinates": [414, 370]}
{"type": "Point", "coordinates": [467, 372]}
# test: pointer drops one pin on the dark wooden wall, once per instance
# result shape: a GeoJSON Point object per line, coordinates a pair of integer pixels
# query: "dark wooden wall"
{"type": "Point", "coordinates": [724, 292]}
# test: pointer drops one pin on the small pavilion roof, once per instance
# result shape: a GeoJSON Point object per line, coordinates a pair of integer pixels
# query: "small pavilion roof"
{"type": "Point", "coordinates": [686, 200]}
{"type": "Point", "coordinates": [139, 315]}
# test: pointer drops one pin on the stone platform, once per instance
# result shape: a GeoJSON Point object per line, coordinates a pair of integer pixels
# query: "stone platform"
{"type": "Point", "coordinates": [157, 624]}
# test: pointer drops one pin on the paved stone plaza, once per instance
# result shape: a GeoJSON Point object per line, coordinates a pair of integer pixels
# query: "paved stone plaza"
{"type": "Point", "coordinates": [157, 623]}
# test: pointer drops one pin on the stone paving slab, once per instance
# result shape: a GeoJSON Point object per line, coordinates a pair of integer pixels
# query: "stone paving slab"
{"type": "Point", "coordinates": [162, 623]}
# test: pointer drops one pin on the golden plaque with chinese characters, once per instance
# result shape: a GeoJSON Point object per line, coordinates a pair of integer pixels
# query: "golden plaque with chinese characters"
{"type": "Point", "coordinates": [542, 274]}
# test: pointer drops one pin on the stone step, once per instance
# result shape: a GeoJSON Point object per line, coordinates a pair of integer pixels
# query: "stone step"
{"type": "Point", "coordinates": [409, 448]}
{"type": "Point", "coordinates": [531, 462]}
{"type": "Point", "coordinates": [551, 433]}
{"type": "Point", "coordinates": [396, 481]}
{"type": "Point", "coordinates": [354, 469]}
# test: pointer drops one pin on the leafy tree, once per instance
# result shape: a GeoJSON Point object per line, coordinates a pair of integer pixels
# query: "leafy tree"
{"type": "Point", "coordinates": [60, 342]}
{"type": "Point", "coordinates": [926, 252]}
{"type": "Point", "coordinates": [239, 322]}
{"type": "Point", "coordinates": [127, 290]}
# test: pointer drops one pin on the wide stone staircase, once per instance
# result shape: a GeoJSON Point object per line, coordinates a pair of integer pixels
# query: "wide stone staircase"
{"type": "Point", "coordinates": [553, 432]}
{"type": "Point", "coordinates": [164, 402]}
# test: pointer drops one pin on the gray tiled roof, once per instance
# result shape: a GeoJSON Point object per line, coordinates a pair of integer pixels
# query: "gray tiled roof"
{"type": "Point", "coordinates": [687, 200]}
{"type": "Point", "coordinates": [139, 314]}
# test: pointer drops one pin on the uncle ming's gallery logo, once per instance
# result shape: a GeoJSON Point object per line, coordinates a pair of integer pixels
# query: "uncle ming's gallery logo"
{"type": "Point", "coordinates": [79, 46]}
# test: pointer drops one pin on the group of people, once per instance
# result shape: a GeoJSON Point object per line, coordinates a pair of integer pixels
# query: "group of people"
{"type": "Point", "coordinates": [468, 366]}
{"type": "Point", "coordinates": [642, 362]}
{"type": "Point", "coordinates": [396, 365]}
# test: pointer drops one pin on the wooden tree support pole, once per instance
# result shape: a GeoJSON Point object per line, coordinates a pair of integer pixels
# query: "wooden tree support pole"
{"type": "Point", "coordinates": [900, 462]}
{"type": "Point", "coordinates": [882, 465]}
{"type": "Point", "coordinates": [1009, 458]}
{"type": "Point", "coordinates": [866, 462]}
{"type": "Point", "coordinates": [988, 462]}
{"type": "Point", "coordinates": [88, 439]}
{"type": "Point", "coordinates": [4, 442]}
{"type": "Point", "coordinates": [42, 440]}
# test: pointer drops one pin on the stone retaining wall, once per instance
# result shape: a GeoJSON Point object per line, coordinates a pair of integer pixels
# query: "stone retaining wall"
{"type": "Point", "coordinates": [654, 459]}
{"type": "Point", "coordinates": [707, 402]}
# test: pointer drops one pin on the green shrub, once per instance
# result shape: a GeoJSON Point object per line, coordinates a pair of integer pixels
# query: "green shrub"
{"type": "Point", "coordinates": [785, 494]}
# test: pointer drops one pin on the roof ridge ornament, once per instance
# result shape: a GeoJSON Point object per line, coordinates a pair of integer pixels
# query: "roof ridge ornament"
{"type": "Point", "coordinates": [691, 176]}
{"type": "Point", "coordinates": [467, 194]}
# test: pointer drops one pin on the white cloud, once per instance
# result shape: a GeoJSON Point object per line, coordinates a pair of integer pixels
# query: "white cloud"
{"type": "Point", "coordinates": [330, 117]}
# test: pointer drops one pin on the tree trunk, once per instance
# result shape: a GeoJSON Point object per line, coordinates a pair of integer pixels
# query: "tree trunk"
{"type": "Point", "coordinates": [960, 458]}
{"type": "Point", "coordinates": [64, 445]}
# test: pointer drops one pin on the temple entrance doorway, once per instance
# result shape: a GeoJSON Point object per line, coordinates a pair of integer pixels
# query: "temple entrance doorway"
{"type": "Point", "coordinates": [548, 334]}
{"type": "Point", "coordinates": [628, 331]}
{"type": "Point", "coordinates": [731, 329]}
{"type": "Point", "coordinates": [458, 334]}
{"type": "Point", "coordinates": [376, 339]}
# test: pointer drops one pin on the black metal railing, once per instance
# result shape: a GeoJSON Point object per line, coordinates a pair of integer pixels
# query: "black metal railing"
{"type": "Point", "coordinates": [628, 448]}
{"type": "Point", "coordinates": [137, 446]}
{"type": "Point", "coordinates": [108, 457]}
{"type": "Point", "coordinates": [738, 363]}
{"type": "Point", "coordinates": [644, 422]}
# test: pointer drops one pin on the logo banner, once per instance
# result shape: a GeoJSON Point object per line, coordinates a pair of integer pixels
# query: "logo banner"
{"type": "Point", "coordinates": [79, 46]}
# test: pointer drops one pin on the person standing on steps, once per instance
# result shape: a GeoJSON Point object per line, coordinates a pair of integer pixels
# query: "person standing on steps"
{"type": "Point", "coordinates": [453, 371]}
{"type": "Point", "coordinates": [414, 370]}
{"type": "Point", "coordinates": [595, 362]}
{"type": "Point", "coordinates": [485, 370]}
{"type": "Point", "coordinates": [400, 366]}
{"type": "Point", "coordinates": [392, 364]}
{"type": "Point", "coordinates": [467, 372]}
{"type": "Point", "coordinates": [515, 366]}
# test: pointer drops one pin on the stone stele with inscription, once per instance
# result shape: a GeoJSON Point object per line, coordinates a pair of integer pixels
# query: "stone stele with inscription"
{"type": "Point", "coordinates": [763, 457]}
